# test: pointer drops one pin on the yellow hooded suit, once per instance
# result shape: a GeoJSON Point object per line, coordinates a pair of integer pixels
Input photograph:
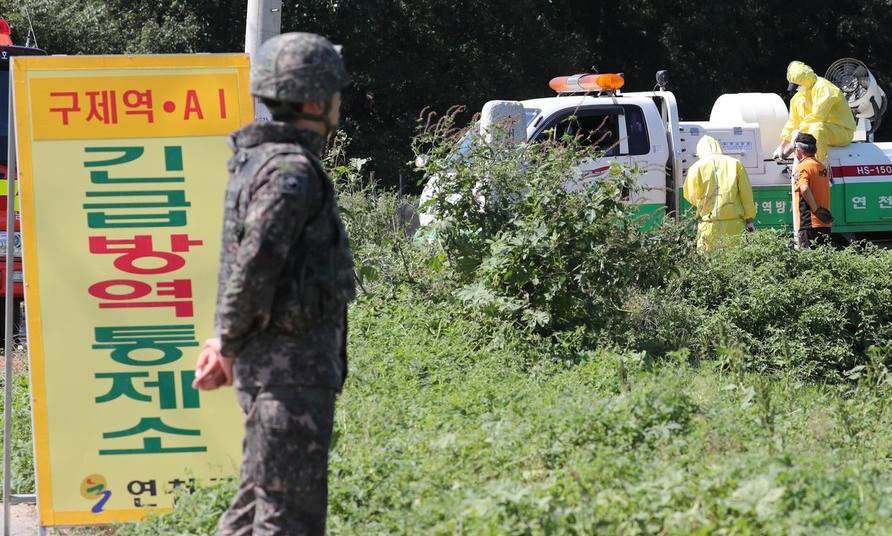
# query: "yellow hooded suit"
{"type": "Point", "coordinates": [821, 111]}
{"type": "Point", "coordinates": [719, 189]}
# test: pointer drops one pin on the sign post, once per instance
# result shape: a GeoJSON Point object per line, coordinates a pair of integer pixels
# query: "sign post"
{"type": "Point", "coordinates": [122, 166]}
{"type": "Point", "coordinates": [8, 327]}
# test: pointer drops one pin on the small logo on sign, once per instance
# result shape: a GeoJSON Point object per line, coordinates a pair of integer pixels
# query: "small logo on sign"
{"type": "Point", "coordinates": [95, 488]}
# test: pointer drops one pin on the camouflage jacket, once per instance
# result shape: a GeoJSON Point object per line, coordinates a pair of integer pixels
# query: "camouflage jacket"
{"type": "Point", "coordinates": [286, 270]}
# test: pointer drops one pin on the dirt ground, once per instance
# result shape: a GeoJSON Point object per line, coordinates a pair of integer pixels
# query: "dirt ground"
{"type": "Point", "coordinates": [23, 520]}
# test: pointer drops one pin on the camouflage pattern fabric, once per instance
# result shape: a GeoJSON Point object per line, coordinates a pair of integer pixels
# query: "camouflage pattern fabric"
{"type": "Point", "coordinates": [298, 67]}
{"type": "Point", "coordinates": [286, 277]}
{"type": "Point", "coordinates": [284, 476]}
{"type": "Point", "coordinates": [286, 270]}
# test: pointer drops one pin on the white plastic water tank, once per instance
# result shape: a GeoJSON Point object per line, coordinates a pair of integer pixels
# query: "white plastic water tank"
{"type": "Point", "coordinates": [765, 109]}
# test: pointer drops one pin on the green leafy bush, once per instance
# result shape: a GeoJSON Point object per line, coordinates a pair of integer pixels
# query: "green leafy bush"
{"type": "Point", "coordinates": [813, 311]}
{"type": "Point", "coordinates": [22, 474]}
{"type": "Point", "coordinates": [380, 224]}
{"type": "Point", "coordinates": [575, 268]}
{"type": "Point", "coordinates": [532, 241]}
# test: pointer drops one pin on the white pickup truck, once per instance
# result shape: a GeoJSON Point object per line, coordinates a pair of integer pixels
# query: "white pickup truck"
{"type": "Point", "coordinates": [643, 130]}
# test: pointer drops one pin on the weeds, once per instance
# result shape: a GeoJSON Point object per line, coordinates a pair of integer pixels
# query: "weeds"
{"type": "Point", "coordinates": [442, 430]}
{"type": "Point", "coordinates": [22, 475]}
{"type": "Point", "coordinates": [650, 391]}
{"type": "Point", "coordinates": [531, 240]}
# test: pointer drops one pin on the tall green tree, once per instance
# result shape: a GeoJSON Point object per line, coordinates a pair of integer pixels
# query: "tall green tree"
{"type": "Point", "coordinates": [406, 56]}
{"type": "Point", "coordinates": [129, 26]}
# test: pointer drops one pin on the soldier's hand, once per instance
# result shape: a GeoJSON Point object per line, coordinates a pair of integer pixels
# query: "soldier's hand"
{"type": "Point", "coordinates": [212, 370]}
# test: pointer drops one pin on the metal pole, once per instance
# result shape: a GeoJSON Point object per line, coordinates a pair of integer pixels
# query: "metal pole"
{"type": "Point", "coordinates": [7, 347]}
{"type": "Point", "coordinates": [264, 21]}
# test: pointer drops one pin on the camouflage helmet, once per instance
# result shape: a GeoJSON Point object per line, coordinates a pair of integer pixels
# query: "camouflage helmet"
{"type": "Point", "coordinates": [298, 67]}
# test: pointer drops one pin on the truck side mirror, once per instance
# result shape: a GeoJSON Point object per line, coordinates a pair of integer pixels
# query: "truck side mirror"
{"type": "Point", "coordinates": [663, 79]}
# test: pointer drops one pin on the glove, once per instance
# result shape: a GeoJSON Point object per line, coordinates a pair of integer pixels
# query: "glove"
{"type": "Point", "coordinates": [824, 215]}
{"type": "Point", "coordinates": [750, 227]}
{"type": "Point", "coordinates": [783, 152]}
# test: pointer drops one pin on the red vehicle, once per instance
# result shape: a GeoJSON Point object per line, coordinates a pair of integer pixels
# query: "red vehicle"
{"type": "Point", "coordinates": [7, 239]}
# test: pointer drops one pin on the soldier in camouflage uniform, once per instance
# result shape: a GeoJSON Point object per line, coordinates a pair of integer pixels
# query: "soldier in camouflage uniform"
{"type": "Point", "coordinates": [286, 277]}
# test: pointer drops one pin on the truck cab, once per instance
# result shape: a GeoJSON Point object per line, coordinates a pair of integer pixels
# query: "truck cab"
{"type": "Point", "coordinates": [628, 130]}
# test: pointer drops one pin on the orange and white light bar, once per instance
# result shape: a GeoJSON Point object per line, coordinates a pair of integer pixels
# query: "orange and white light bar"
{"type": "Point", "coordinates": [587, 82]}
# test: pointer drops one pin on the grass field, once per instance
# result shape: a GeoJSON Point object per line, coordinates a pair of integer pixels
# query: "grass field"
{"type": "Point", "coordinates": [445, 429]}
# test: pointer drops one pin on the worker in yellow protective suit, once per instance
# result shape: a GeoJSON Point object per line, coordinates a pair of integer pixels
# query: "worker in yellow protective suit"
{"type": "Point", "coordinates": [719, 189]}
{"type": "Point", "coordinates": [799, 105]}
{"type": "Point", "coordinates": [821, 111]}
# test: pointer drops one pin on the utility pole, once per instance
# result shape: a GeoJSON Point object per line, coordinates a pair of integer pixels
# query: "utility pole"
{"type": "Point", "coordinates": [264, 21]}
